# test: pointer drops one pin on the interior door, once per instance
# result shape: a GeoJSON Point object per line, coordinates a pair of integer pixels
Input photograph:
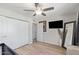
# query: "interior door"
{"type": "Point", "coordinates": [17, 33]}
{"type": "Point", "coordinates": [13, 33]}
{"type": "Point", "coordinates": [40, 32]}
{"type": "Point", "coordinates": [34, 32]}
{"type": "Point", "coordinates": [0, 29]}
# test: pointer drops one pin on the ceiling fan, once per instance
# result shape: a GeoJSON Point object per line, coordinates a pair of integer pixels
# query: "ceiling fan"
{"type": "Point", "coordinates": [38, 10]}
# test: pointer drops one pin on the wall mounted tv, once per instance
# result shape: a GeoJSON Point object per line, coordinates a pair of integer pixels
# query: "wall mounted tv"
{"type": "Point", "coordinates": [56, 24]}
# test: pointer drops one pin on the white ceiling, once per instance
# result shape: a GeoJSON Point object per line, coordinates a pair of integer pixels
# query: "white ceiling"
{"type": "Point", "coordinates": [60, 8]}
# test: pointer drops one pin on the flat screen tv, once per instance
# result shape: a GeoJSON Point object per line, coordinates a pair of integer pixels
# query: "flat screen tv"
{"type": "Point", "coordinates": [56, 24]}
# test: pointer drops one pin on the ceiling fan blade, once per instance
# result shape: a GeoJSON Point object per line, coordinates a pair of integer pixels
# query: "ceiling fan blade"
{"type": "Point", "coordinates": [47, 9]}
{"type": "Point", "coordinates": [36, 5]}
{"type": "Point", "coordinates": [43, 14]}
{"type": "Point", "coordinates": [34, 14]}
{"type": "Point", "coordinates": [28, 10]}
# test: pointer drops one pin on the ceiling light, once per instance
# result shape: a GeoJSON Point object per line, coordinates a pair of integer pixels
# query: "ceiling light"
{"type": "Point", "coordinates": [38, 11]}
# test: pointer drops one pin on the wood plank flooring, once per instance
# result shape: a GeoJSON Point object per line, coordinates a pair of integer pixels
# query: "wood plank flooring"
{"type": "Point", "coordinates": [40, 48]}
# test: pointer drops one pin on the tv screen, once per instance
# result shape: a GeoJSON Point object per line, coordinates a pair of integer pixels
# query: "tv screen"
{"type": "Point", "coordinates": [56, 24]}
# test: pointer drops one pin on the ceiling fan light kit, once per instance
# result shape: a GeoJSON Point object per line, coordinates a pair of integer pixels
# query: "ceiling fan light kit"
{"type": "Point", "coordinates": [39, 10]}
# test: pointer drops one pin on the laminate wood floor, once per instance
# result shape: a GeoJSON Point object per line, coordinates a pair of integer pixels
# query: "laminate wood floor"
{"type": "Point", "coordinates": [40, 48]}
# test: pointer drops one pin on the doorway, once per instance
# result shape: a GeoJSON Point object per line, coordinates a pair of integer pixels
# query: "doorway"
{"type": "Point", "coordinates": [34, 32]}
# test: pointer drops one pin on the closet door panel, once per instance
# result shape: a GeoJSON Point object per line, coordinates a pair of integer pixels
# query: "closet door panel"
{"type": "Point", "coordinates": [17, 33]}
{"type": "Point", "coordinates": [1, 25]}
{"type": "Point", "coordinates": [40, 32]}
{"type": "Point", "coordinates": [3, 29]}
{"type": "Point", "coordinates": [13, 33]}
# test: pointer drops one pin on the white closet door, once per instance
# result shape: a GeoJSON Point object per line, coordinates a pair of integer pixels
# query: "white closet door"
{"type": "Point", "coordinates": [0, 29]}
{"type": "Point", "coordinates": [13, 33]}
{"type": "Point", "coordinates": [40, 32]}
{"type": "Point", "coordinates": [17, 34]}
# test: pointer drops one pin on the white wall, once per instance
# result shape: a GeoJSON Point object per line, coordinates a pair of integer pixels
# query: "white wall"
{"type": "Point", "coordinates": [52, 36]}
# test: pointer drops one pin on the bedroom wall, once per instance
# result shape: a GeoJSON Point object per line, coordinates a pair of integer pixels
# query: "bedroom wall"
{"type": "Point", "coordinates": [52, 36]}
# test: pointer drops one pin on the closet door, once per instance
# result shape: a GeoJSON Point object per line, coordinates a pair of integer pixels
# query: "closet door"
{"type": "Point", "coordinates": [3, 29]}
{"type": "Point", "coordinates": [40, 32]}
{"type": "Point", "coordinates": [0, 29]}
{"type": "Point", "coordinates": [13, 33]}
{"type": "Point", "coordinates": [17, 34]}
